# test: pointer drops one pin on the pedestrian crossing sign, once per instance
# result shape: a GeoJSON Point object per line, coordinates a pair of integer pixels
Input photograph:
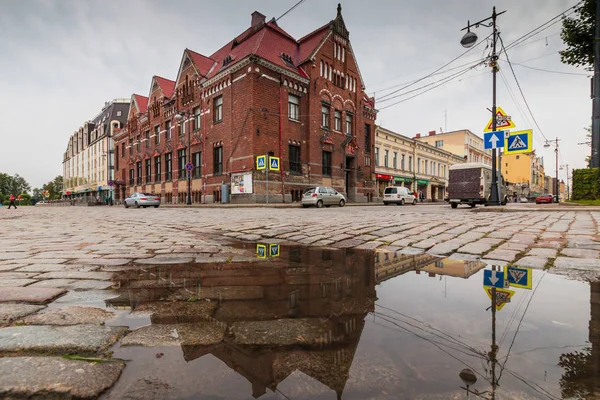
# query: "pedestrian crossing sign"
{"type": "Point", "coordinates": [261, 162]}
{"type": "Point", "coordinates": [519, 142]}
{"type": "Point", "coordinates": [274, 163]}
{"type": "Point", "coordinates": [274, 250]}
{"type": "Point", "coordinates": [518, 277]}
{"type": "Point", "coordinates": [261, 250]}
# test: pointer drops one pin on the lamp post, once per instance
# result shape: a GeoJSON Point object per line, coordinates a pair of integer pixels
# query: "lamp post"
{"type": "Point", "coordinates": [468, 40]}
{"type": "Point", "coordinates": [547, 145]}
{"type": "Point", "coordinates": [179, 117]}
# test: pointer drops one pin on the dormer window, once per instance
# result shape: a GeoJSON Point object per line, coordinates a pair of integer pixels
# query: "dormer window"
{"type": "Point", "coordinates": [227, 60]}
{"type": "Point", "coordinates": [287, 59]}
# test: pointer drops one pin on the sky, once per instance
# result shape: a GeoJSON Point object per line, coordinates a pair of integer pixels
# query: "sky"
{"type": "Point", "coordinates": [62, 59]}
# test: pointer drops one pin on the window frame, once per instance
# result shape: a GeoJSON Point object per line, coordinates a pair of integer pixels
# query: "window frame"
{"type": "Point", "coordinates": [168, 126]}
{"type": "Point", "coordinates": [325, 116]}
{"type": "Point", "coordinates": [349, 124]}
{"type": "Point", "coordinates": [218, 109]}
{"type": "Point", "coordinates": [148, 165]}
{"type": "Point", "coordinates": [168, 166]}
{"type": "Point", "coordinates": [337, 120]}
{"type": "Point", "coordinates": [182, 156]}
{"type": "Point", "coordinates": [295, 159]}
{"type": "Point", "coordinates": [293, 108]}
{"type": "Point", "coordinates": [197, 118]}
{"type": "Point", "coordinates": [326, 161]}
{"type": "Point", "coordinates": [197, 161]}
{"type": "Point", "coordinates": [218, 160]}
{"type": "Point", "coordinates": [157, 168]}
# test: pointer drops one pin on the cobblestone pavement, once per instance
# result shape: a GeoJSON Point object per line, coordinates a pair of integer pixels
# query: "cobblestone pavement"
{"type": "Point", "coordinates": [61, 237]}
{"type": "Point", "coordinates": [56, 266]}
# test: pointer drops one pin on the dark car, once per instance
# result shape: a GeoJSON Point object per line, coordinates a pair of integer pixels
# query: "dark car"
{"type": "Point", "coordinates": [544, 198]}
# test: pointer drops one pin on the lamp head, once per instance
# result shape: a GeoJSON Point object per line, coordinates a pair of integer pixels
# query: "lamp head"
{"type": "Point", "coordinates": [469, 39]}
{"type": "Point", "coordinates": [178, 117]}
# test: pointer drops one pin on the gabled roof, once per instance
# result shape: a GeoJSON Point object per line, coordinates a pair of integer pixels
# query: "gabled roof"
{"type": "Point", "coordinates": [202, 63]}
{"type": "Point", "coordinates": [309, 43]}
{"type": "Point", "coordinates": [166, 85]}
{"type": "Point", "coordinates": [141, 103]}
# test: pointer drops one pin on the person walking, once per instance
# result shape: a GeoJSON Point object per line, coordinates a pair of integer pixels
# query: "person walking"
{"type": "Point", "coordinates": [12, 201]}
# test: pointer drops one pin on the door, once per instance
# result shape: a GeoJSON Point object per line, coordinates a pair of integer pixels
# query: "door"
{"type": "Point", "coordinates": [349, 178]}
{"type": "Point", "coordinates": [323, 195]}
{"type": "Point", "coordinates": [332, 196]}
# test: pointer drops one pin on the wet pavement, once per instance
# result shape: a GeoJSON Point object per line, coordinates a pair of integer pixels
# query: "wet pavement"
{"type": "Point", "coordinates": [206, 316]}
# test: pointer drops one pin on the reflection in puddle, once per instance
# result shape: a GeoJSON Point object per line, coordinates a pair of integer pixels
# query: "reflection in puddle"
{"type": "Point", "coordinates": [318, 323]}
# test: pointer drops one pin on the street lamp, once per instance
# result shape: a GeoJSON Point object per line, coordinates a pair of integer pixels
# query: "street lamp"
{"type": "Point", "coordinates": [467, 41]}
{"type": "Point", "coordinates": [179, 117]}
{"type": "Point", "coordinates": [547, 145]}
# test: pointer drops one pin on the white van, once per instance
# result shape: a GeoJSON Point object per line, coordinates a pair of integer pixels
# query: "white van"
{"type": "Point", "coordinates": [398, 195]}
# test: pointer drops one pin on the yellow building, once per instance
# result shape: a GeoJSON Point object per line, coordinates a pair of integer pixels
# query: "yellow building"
{"type": "Point", "coordinates": [402, 161]}
{"type": "Point", "coordinates": [463, 143]}
{"type": "Point", "coordinates": [525, 174]}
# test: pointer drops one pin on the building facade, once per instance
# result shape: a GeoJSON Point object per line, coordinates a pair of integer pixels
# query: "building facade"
{"type": "Point", "coordinates": [525, 174]}
{"type": "Point", "coordinates": [402, 161]}
{"type": "Point", "coordinates": [89, 162]}
{"type": "Point", "coordinates": [462, 142]}
{"type": "Point", "coordinates": [263, 93]}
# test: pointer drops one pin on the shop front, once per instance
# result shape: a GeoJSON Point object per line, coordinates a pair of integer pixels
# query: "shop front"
{"type": "Point", "coordinates": [383, 181]}
{"type": "Point", "coordinates": [403, 181]}
{"type": "Point", "coordinates": [422, 185]}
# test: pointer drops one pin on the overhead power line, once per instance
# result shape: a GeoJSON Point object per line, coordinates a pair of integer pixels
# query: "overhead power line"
{"type": "Point", "coordinates": [290, 10]}
{"type": "Point", "coordinates": [521, 90]}
{"type": "Point", "coordinates": [550, 71]}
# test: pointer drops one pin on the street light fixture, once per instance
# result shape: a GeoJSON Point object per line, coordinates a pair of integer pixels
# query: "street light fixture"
{"type": "Point", "coordinates": [179, 117]}
{"type": "Point", "coordinates": [468, 40]}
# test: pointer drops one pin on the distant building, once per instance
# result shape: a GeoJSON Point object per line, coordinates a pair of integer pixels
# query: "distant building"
{"type": "Point", "coordinates": [462, 142]}
{"type": "Point", "coordinates": [402, 161]}
{"type": "Point", "coordinates": [525, 174]}
{"type": "Point", "coordinates": [88, 162]}
{"type": "Point", "coordinates": [262, 93]}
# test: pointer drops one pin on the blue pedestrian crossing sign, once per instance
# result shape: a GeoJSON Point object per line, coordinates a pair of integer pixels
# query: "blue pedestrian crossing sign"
{"type": "Point", "coordinates": [261, 162]}
{"type": "Point", "coordinates": [261, 250]}
{"type": "Point", "coordinates": [518, 277]}
{"type": "Point", "coordinates": [274, 163]}
{"type": "Point", "coordinates": [274, 250]}
{"type": "Point", "coordinates": [493, 279]}
{"type": "Point", "coordinates": [493, 140]}
{"type": "Point", "coordinates": [519, 142]}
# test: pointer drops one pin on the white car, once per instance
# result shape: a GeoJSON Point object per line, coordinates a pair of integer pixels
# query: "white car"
{"type": "Point", "coordinates": [139, 199]}
{"type": "Point", "coordinates": [398, 195]}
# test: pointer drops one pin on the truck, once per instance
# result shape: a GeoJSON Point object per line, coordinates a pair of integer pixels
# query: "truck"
{"type": "Point", "coordinates": [471, 184]}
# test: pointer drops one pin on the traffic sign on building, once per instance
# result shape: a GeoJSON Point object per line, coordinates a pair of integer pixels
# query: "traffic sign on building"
{"type": "Point", "coordinates": [503, 121]}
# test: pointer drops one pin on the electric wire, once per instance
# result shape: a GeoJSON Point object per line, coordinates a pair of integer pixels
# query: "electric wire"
{"type": "Point", "coordinates": [552, 72]}
{"type": "Point", "coordinates": [437, 70]}
{"type": "Point", "coordinates": [520, 89]}
{"type": "Point", "coordinates": [290, 10]}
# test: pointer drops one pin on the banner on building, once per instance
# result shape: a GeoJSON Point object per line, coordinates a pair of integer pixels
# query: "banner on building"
{"type": "Point", "coordinates": [241, 183]}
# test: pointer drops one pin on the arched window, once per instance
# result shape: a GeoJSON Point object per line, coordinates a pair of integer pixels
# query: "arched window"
{"type": "Point", "coordinates": [330, 73]}
{"type": "Point", "coordinates": [334, 50]}
{"type": "Point", "coordinates": [321, 68]}
{"type": "Point", "coordinates": [343, 54]}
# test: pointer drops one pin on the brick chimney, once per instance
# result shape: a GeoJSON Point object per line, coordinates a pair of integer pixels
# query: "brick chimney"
{"type": "Point", "coordinates": [431, 133]}
{"type": "Point", "coordinates": [257, 19]}
{"type": "Point", "coordinates": [418, 135]}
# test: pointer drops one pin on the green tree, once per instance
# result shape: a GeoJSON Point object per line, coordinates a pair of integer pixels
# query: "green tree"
{"type": "Point", "coordinates": [578, 35]}
{"type": "Point", "coordinates": [54, 188]}
{"type": "Point", "coordinates": [13, 184]}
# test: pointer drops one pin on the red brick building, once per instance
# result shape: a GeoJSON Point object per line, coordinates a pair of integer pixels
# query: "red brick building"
{"type": "Point", "coordinates": [263, 93]}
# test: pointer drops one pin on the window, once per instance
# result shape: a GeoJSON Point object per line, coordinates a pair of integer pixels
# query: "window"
{"type": "Point", "coordinates": [325, 116]}
{"type": "Point", "coordinates": [182, 127]}
{"type": "Point", "coordinates": [368, 139]}
{"type": "Point", "coordinates": [148, 170]}
{"type": "Point", "coordinates": [218, 160]}
{"type": "Point", "coordinates": [147, 139]}
{"type": "Point", "coordinates": [181, 162]}
{"type": "Point", "coordinates": [157, 170]}
{"type": "Point", "coordinates": [131, 177]}
{"type": "Point", "coordinates": [377, 156]}
{"type": "Point", "coordinates": [168, 129]}
{"type": "Point", "coordinates": [385, 158]}
{"type": "Point", "coordinates": [119, 113]}
{"type": "Point", "coordinates": [116, 157]}
{"type": "Point", "coordinates": [426, 162]}
{"type": "Point", "coordinates": [196, 112]}
{"type": "Point", "coordinates": [293, 107]}
{"type": "Point", "coordinates": [137, 143]}
{"type": "Point", "coordinates": [410, 163]}
{"type": "Point", "coordinates": [337, 120]}
{"type": "Point", "coordinates": [349, 130]}
{"type": "Point", "coordinates": [295, 164]}
{"type": "Point", "coordinates": [402, 162]}
{"type": "Point", "coordinates": [138, 166]}
{"type": "Point", "coordinates": [169, 166]}
{"type": "Point", "coordinates": [157, 134]}
{"type": "Point", "coordinates": [395, 160]}
{"type": "Point", "coordinates": [123, 149]}
{"type": "Point", "coordinates": [197, 161]}
{"type": "Point", "coordinates": [326, 163]}
{"type": "Point", "coordinates": [517, 157]}
{"type": "Point", "coordinates": [218, 109]}
{"type": "Point", "coordinates": [439, 143]}
{"type": "Point", "coordinates": [419, 165]}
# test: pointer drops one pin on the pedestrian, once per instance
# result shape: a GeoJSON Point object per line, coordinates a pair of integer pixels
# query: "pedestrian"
{"type": "Point", "coordinates": [12, 201]}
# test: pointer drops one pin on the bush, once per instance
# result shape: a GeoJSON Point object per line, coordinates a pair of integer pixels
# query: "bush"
{"type": "Point", "coordinates": [586, 184]}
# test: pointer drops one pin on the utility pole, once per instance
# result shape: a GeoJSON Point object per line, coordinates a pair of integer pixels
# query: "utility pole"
{"type": "Point", "coordinates": [556, 185]}
{"type": "Point", "coordinates": [595, 156]}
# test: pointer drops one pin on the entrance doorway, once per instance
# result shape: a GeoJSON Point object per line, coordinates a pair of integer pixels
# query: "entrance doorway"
{"type": "Point", "coordinates": [349, 178]}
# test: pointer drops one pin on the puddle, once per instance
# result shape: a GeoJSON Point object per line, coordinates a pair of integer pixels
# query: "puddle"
{"type": "Point", "coordinates": [305, 323]}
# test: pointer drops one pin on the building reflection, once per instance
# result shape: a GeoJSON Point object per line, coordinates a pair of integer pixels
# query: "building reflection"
{"type": "Point", "coordinates": [303, 311]}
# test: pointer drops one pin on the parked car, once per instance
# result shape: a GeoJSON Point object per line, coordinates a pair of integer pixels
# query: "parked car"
{"type": "Point", "coordinates": [544, 198]}
{"type": "Point", "coordinates": [398, 195]}
{"type": "Point", "coordinates": [139, 199]}
{"type": "Point", "coordinates": [322, 196]}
